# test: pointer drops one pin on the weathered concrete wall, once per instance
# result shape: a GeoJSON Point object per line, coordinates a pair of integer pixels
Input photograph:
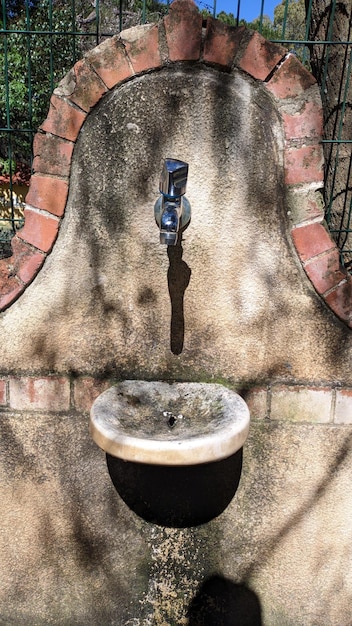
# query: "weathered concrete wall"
{"type": "Point", "coordinates": [232, 303]}
{"type": "Point", "coordinates": [102, 302]}
{"type": "Point", "coordinates": [72, 552]}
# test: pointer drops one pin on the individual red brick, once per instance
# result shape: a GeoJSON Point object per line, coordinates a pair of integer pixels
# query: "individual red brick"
{"type": "Point", "coordinates": [82, 86]}
{"type": "Point", "coordinates": [142, 47]}
{"type": "Point", "coordinates": [304, 205]}
{"type": "Point", "coordinates": [110, 62]}
{"type": "Point", "coordinates": [304, 165]}
{"type": "Point", "coordinates": [48, 193]}
{"type": "Point", "coordinates": [10, 289]}
{"type": "Point", "coordinates": [311, 240]}
{"type": "Point", "coordinates": [183, 26]}
{"type": "Point", "coordinates": [291, 79]}
{"type": "Point", "coordinates": [2, 392]}
{"type": "Point", "coordinates": [301, 404]}
{"type": "Point", "coordinates": [86, 390]}
{"type": "Point", "coordinates": [26, 261]}
{"type": "Point", "coordinates": [343, 409]}
{"type": "Point", "coordinates": [63, 119]}
{"type": "Point", "coordinates": [221, 42]}
{"type": "Point", "coordinates": [256, 399]}
{"type": "Point", "coordinates": [325, 271]}
{"type": "Point", "coordinates": [39, 394]}
{"type": "Point", "coordinates": [52, 155]}
{"type": "Point", "coordinates": [261, 56]}
{"type": "Point", "coordinates": [39, 230]}
{"type": "Point", "coordinates": [5, 270]}
{"type": "Point", "coordinates": [306, 123]}
{"type": "Point", "coordinates": [340, 301]}
{"type": "Point", "coordinates": [10, 285]}
{"type": "Point", "coordinates": [314, 209]}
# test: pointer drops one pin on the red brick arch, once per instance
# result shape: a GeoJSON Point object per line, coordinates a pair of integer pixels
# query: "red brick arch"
{"type": "Point", "coordinates": [180, 37]}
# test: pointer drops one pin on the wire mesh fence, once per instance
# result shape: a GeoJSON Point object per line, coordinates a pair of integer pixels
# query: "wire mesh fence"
{"type": "Point", "coordinates": [40, 40]}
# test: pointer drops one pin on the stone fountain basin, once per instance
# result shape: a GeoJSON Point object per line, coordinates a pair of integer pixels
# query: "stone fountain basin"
{"type": "Point", "coordinates": [164, 423]}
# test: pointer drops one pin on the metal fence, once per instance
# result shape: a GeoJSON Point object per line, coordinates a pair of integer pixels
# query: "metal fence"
{"type": "Point", "coordinates": [41, 40]}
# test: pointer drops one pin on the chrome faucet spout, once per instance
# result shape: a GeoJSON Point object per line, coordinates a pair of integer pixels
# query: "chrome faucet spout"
{"type": "Point", "coordinates": [170, 222]}
{"type": "Point", "coordinates": [172, 209]}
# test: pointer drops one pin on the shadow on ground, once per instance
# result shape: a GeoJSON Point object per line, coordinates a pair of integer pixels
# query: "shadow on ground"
{"type": "Point", "coordinates": [221, 602]}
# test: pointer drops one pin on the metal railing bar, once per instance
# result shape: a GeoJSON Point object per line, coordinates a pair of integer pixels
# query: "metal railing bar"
{"type": "Point", "coordinates": [10, 129]}
{"type": "Point", "coordinates": [329, 33]}
{"type": "Point", "coordinates": [339, 133]}
{"type": "Point", "coordinates": [318, 42]}
{"type": "Point", "coordinates": [303, 42]}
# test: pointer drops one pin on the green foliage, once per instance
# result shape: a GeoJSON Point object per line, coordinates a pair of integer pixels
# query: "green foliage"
{"type": "Point", "coordinates": [43, 48]}
{"type": "Point", "coordinates": [265, 26]}
{"type": "Point", "coordinates": [227, 18]}
{"type": "Point", "coordinates": [290, 20]}
{"type": "Point", "coordinates": [32, 65]}
{"type": "Point", "coordinates": [205, 13]}
{"type": "Point", "coordinates": [7, 166]}
{"type": "Point", "coordinates": [290, 24]}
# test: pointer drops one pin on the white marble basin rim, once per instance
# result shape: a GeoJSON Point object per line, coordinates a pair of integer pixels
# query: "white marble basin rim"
{"type": "Point", "coordinates": [165, 423]}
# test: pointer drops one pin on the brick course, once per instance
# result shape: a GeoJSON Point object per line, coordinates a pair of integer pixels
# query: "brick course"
{"type": "Point", "coordinates": [343, 411]}
{"type": "Point", "coordinates": [279, 402]}
{"type": "Point", "coordinates": [261, 57]}
{"type": "Point", "coordinates": [52, 155]}
{"type": "Point", "coordinates": [63, 119]}
{"type": "Point", "coordinates": [86, 390]}
{"type": "Point", "coordinates": [82, 86]}
{"type": "Point", "coordinates": [39, 394]}
{"type": "Point", "coordinates": [221, 43]}
{"type": "Point", "coordinates": [183, 26]}
{"type": "Point", "coordinates": [339, 300]}
{"type": "Point", "coordinates": [291, 79]}
{"type": "Point", "coordinates": [110, 62]}
{"type": "Point", "coordinates": [10, 285]}
{"type": "Point", "coordinates": [311, 240]}
{"type": "Point", "coordinates": [48, 193]}
{"type": "Point", "coordinates": [308, 122]}
{"type": "Point", "coordinates": [40, 230]}
{"type": "Point", "coordinates": [257, 402]}
{"type": "Point", "coordinates": [301, 404]}
{"type": "Point", "coordinates": [2, 392]}
{"type": "Point", "coordinates": [143, 51]}
{"type": "Point", "coordinates": [304, 165]}
{"type": "Point", "coordinates": [325, 271]}
{"type": "Point", "coordinates": [26, 261]}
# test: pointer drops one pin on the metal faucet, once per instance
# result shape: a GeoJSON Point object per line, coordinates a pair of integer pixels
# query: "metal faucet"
{"type": "Point", "coordinates": [172, 209]}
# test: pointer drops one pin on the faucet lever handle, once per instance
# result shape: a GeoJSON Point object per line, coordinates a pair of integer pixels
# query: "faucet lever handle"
{"type": "Point", "coordinates": [173, 179]}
